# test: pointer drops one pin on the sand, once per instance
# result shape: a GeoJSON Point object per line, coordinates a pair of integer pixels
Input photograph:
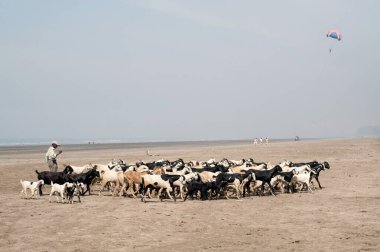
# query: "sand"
{"type": "Point", "coordinates": [343, 216]}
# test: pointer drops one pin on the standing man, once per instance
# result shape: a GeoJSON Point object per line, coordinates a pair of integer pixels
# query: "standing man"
{"type": "Point", "coordinates": [51, 156]}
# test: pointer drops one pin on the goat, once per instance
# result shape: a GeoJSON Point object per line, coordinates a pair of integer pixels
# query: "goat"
{"type": "Point", "coordinates": [215, 168]}
{"type": "Point", "coordinates": [301, 178]}
{"type": "Point", "coordinates": [80, 169]}
{"type": "Point", "coordinates": [244, 185]}
{"type": "Point", "coordinates": [195, 186]}
{"type": "Point", "coordinates": [298, 169]}
{"type": "Point", "coordinates": [286, 177]}
{"type": "Point", "coordinates": [184, 171]}
{"type": "Point", "coordinates": [71, 188]}
{"type": "Point", "coordinates": [207, 176]}
{"type": "Point", "coordinates": [108, 175]}
{"type": "Point", "coordinates": [224, 179]}
{"type": "Point", "coordinates": [32, 186]}
{"type": "Point", "coordinates": [85, 178]}
{"type": "Point", "coordinates": [258, 184]}
{"type": "Point", "coordinates": [161, 182]}
{"type": "Point", "coordinates": [60, 189]}
{"type": "Point", "coordinates": [231, 162]}
{"type": "Point", "coordinates": [266, 176]}
{"type": "Point", "coordinates": [312, 164]}
{"type": "Point", "coordinates": [55, 177]}
{"type": "Point", "coordinates": [317, 169]}
{"type": "Point", "coordinates": [130, 179]}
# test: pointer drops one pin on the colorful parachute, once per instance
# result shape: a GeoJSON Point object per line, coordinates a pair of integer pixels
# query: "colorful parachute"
{"type": "Point", "coordinates": [334, 34]}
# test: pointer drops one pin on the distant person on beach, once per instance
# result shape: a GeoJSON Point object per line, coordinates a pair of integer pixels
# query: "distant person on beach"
{"type": "Point", "coordinates": [266, 140]}
{"type": "Point", "coordinates": [255, 141]}
{"type": "Point", "coordinates": [261, 140]}
{"type": "Point", "coordinates": [51, 156]}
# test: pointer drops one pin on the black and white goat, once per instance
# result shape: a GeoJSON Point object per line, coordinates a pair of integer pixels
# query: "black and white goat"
{"type": "Point", "coordinates": [160, 182]}
{"type": "Point", "coordinates": [317, 169]}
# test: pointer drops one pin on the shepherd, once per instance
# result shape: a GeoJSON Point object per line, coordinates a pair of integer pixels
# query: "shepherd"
{"type": "Point", "coordinates": [51, 156]}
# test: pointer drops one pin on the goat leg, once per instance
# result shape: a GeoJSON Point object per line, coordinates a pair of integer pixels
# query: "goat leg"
{"type": "Point", "coordinates": [271, 189]}
{"type": "Point", "coordinates": [40, 188]}
{"type": "Point", "coordinates": [185, 197]}
{"type": "Point", "coordinates": [262, 189]}
{"type": "Point", "coordinates": [316, 178]}
{"type": "Point", "coordinates": [308, 186]}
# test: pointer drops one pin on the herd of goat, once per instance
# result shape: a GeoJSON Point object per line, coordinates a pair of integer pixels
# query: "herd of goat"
{"type": "Point", "coordinates": [165, 179]}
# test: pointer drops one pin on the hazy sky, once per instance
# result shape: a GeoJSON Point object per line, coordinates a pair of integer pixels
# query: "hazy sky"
{"type": "Point", "coordinates": [187, 70]}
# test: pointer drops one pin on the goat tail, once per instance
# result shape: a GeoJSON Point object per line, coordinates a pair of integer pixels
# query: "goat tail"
{"type": "Point", "coordinates": [37, 172]}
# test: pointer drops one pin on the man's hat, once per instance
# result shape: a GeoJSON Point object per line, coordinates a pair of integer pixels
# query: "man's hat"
{"type": "Point", "coordinates": [55, 142]}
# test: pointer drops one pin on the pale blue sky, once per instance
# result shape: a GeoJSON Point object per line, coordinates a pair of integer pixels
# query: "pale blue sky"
{"type": "Point", "coordinates": [187, 70]}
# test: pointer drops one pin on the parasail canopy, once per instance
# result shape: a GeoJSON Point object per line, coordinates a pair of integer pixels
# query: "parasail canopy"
{"type": "Point", "coordinates": [335, 34]}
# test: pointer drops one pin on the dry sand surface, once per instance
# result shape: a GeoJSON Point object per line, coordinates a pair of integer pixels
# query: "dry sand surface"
{"type": "Point", "coordinates": [343, 216]}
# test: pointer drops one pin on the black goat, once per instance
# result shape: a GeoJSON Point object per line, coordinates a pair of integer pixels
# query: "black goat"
{"type": "Point", "coordinates": [266, 176]}
{"type": "Point", "coordinates": [195, 186]}
{"type": "Point", "coordinates": [85, 178]}
{"type": "Point", "coordinates": [55, 177]}
{"type": "Point", "coordinates": [249, 176]}
{"type": "Point", "coordinates": [216, 168]}
{"type": "Point", "coordinates": [152, 165]}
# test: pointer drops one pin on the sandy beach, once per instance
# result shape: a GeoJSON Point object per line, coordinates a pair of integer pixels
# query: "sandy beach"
{"type": "Point", "coordinates": [343, 216]}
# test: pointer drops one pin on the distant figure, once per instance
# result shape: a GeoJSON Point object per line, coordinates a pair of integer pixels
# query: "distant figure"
{"type": "Point", "coordinates": [255, 141]}
{"type": "Point", "coordinates": [151, 155]}
{"type": "Point", "coordinates": [266, 140]}
{"type": "Point", "coordinates": [51, 156]}
{"type": "Point", "coordinates": [261, 140]}
{"type": "Point", "coordinates": [297, 138]}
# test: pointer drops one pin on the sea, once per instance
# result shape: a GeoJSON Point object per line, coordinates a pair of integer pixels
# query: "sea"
{"type": "Point", "coordinates": [134, 142]}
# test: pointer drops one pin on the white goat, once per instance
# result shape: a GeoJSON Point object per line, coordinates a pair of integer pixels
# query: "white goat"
{"type": "Point", "coordinates": [296, 168]}
{"type": "Point", "coordinates": [60, 189]}
{"type": "Point", "coordinates": [81, 169]}
{"type": "Point", "coordinates": [32, 186]}
{"type": "Point", "coordinates": [108, 175]}
{"type": "Point", "coordinates": [302, 178]}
